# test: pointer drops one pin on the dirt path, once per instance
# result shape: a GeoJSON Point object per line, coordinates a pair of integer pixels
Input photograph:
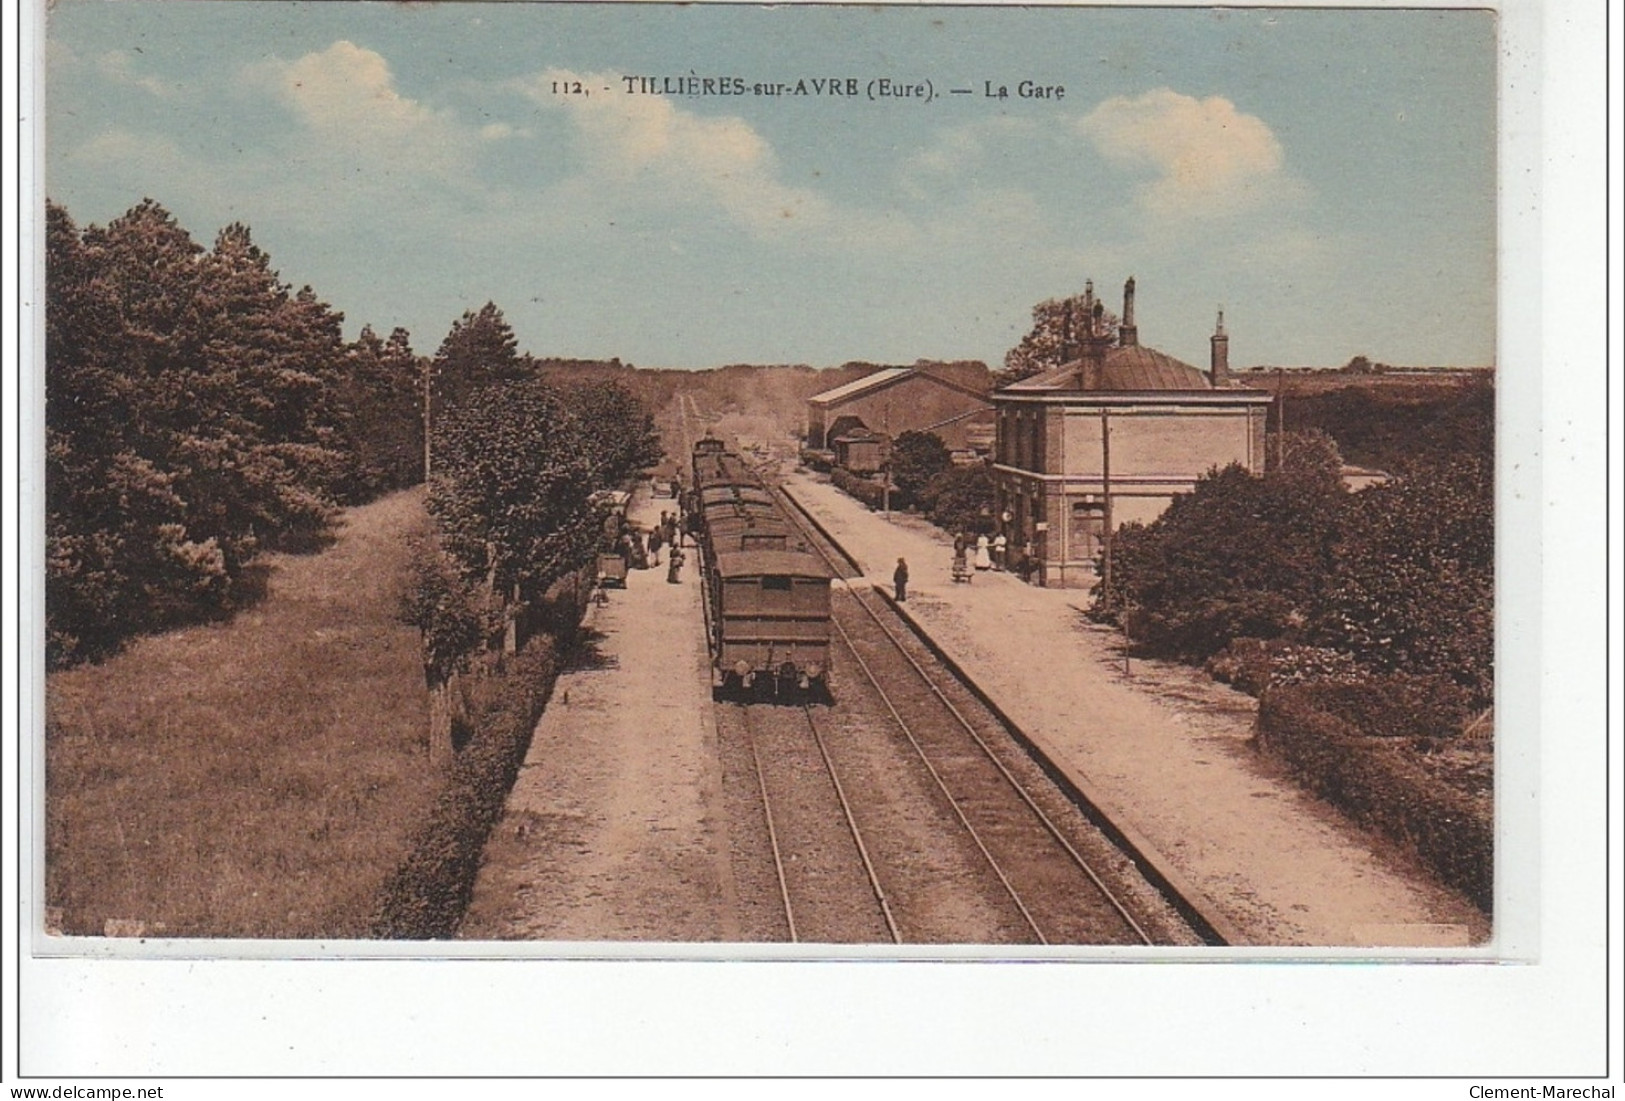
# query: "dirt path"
{"type": "Point", "coordinates": [614, 829]}
{"type": "Point", "coordinates": [1168, 748]}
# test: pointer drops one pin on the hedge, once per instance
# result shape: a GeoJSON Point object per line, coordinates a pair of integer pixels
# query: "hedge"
{"type": "Point", "coordinates": [424, 899]}
{"type": "Point", "coordinates": [1372, 779]}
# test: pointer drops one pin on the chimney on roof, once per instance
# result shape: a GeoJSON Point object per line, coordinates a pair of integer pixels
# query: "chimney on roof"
{"type": "Point", "coordinates": [1088, 302]}
{"type": "Point", "coordinates": [1095, 346]}
{"type": "Point", "coordinates": [1219, 371]}
{"type": "Point", "coordinates": [1066, 330]}
{"type": "Point", "coordinates": [1128, 334]}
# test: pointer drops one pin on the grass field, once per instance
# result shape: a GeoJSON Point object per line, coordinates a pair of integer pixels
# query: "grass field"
{"type": "Point", "coordinates": [256, 778]}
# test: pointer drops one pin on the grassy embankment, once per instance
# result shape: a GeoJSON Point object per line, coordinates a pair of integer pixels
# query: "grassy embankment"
{"type": "Point", "coordinates": [257, 778]}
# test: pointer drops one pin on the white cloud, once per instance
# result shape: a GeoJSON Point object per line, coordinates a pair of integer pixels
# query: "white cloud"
{"type": "Point", "coordinates": [959, 155]}
{"type": "Point", "coordinates": [118, 66]}
{"type": "Point", "coordinates": [648, 142]}
{"type": "Point", "coordinates": [346, 96]}
{"type": "Point", "coordinates": [1207, 157]}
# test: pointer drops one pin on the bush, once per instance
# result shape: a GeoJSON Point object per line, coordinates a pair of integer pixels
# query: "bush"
{"type": "Point", "coordinates": [1394, 705]}
{"type": "Point", "coordinates": [1240, 557]}
{"type": "Point", "coordinates": [1379, 784]}
{"type": "Point", "coordinates": [821, 461]}
{"type": "Point", "coordinates": [960, 499]}
{"type": "Point", "coordinates": [871, 494]}
{"type": "Point", "coordinates": [426, 896]}
{"type": "Point", "coordinates": [1254, 664]}
{"type": "Point", "coordinates": [1197, 630]}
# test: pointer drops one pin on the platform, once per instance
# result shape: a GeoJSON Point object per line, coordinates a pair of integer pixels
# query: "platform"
{"type": "Point", "coordinates": [610, 832]}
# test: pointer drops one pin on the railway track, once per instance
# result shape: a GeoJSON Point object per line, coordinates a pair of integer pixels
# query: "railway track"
{"type": "Point", "coordinates": [815, 861]}
{"type": "Point", "coordinates": [1058, 879]}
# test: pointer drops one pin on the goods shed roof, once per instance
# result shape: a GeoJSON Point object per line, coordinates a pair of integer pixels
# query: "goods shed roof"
{"type": "Point", "coordinates": [867, 382]}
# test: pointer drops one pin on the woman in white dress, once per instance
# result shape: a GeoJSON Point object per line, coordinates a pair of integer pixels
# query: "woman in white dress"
{"type": "Point", "coordinates": [982, 560]}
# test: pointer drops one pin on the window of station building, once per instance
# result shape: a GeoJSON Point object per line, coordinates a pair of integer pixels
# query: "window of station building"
{"type": "Point", "coordinates": [776, 584]}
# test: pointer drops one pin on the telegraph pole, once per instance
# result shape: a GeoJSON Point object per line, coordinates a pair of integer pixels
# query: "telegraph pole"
{"type": "Point", "coordinates": [1106, 488]}
{"type": "Point", "coordinates": [428, 399]}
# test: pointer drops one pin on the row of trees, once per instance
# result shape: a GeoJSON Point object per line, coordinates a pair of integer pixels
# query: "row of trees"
{"type": "Point", "coordinates": [1399, 575]}
{"type": "Point", "coordinates": [198, 411]}
{"type": "Point", "coordinates": [515, 464]}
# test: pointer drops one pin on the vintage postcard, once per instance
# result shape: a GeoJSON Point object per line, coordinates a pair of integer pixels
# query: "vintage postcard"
{"type": "Point", "coordinates": [784, 483]}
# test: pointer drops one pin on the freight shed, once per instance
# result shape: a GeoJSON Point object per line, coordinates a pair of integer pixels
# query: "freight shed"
{"type": "Point", "coordinates": [949, 399]}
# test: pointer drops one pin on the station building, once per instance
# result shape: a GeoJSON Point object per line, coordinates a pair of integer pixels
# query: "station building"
{"type": "Point", "coordinates": [949, 399]}
{"type": "Point", "coordinates": [1112, 436]}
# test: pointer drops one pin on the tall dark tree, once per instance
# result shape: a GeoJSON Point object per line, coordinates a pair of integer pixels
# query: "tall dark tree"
{"type": "Point", "coordinates": [190, 421]}
{"type": "Point", "coordinates": [618, 434]}
{"type": "Point", "coordinates": [119, 554]}
{"type": "Point", "coordinates": [916, 458]}
{"type": "Point", "coordinates": [1057, 323]}
{"type": "Point", "coordinates": [379, 399]}
{"type": "Point", "coordinates": [511, 487]}
{"type": "Point", "coordinates": [259, 463]}
{"type": "Point", "coordinates": [480, 349]}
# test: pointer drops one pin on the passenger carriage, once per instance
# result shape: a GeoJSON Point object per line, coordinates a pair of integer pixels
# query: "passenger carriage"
{"type": "Point", "coordinates": [766, 594]}
{"type": "Point", "coordinates": [770, 617]}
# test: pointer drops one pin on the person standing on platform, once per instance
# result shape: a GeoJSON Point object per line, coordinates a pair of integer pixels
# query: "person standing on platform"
{"type": "Point", "coordinates": [999, 545]}
{"type": "Point", "coordinates": [899, 579]}
{"type": "Point", "coordinates": [654, 547]}
{"type": "Point", "coordinates": [983, 562]}
{"type": "Point", "coordinates": [676, 565]}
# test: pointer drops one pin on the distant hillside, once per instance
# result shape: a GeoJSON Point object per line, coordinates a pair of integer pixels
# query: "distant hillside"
{"type": "Point", "coordinates": [1315, 380]}
{"type": "Point", "coordinates": [768, 400]}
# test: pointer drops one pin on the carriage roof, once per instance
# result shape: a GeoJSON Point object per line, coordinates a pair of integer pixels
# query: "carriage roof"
{"type": "Point", "coordinates": [723, 494]}
{"type": "Point", "coordinates": [771, 563]}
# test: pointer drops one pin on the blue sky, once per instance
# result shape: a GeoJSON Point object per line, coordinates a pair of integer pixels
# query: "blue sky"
{"type": "Point", "coordinates": [1328, 177]}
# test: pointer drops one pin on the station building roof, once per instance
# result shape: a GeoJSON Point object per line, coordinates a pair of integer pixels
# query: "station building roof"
{"type": "Point", "coordinates": [1132, 367]}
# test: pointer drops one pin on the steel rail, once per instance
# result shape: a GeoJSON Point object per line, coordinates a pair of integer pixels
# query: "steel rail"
{"type": "Point", "coordinates": [1054, 831]}
{"type": "Point", "coordinates": [852, 825]}
{"type": "Point", "coordinates": [953, 803]}
{"type": "Point", "coordinates": [772, 834]}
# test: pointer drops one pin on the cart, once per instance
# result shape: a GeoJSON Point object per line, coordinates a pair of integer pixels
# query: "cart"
{"type": "Point", "coordinates": [962, 570]}
{"type": "Point", "coordinates": [611, 571]}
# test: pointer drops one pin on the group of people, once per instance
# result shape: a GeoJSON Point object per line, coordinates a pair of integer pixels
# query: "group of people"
{"type": "Point", "coordinates": [643, 552]}
{"type": "Point", "coordinates": [667, 534]}
{"type": "Point", "coordinates": [981, 553]}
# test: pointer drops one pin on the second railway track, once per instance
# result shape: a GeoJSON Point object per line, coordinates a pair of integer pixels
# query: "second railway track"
{"type": "Point", "coordinates": [1052, 877]}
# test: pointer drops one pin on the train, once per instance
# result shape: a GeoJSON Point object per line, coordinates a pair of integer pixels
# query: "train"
{"type": "Point", "coordinates": [767, 592]}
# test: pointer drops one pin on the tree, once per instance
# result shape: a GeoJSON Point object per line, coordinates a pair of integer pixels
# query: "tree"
{"type": "Point", "coordinates": [120, 556]}
{"type": "Point", "coordinates": [511, 488]}
{"type": "Point", "coordinates": [379, 400]}
{"type": "Point", "coordinates": [618, 435]}
{"type": "Point", "coordinates": [961, 498]}
{"type": "Point", "coordinates": [1414, 584]}
{"type": "Point", "coordinates": [480, 349]}
{"type": "Point", "coordinates": [1057, 322]}
{"type": "Point", "coordinates": [916, 458]}
{"type": "Point", "coordinates": [191, 420]}
{"type": "Point", "coordinates": [1240, 556]}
